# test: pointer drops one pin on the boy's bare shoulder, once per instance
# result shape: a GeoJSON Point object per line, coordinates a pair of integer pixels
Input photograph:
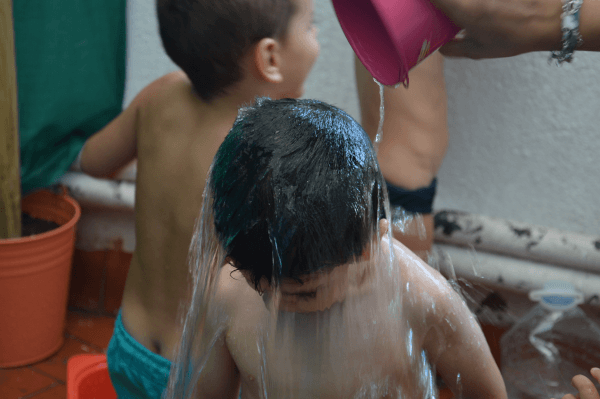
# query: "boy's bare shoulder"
{"type": "Point", "coordinates": [233, 290]}
{"type": "Point", "coordinates": [427, 283]}
{"type": "Point", "coordinates": [165, 88]}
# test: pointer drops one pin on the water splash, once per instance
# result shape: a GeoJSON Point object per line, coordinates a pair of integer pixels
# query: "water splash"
{"type": "Point", "coordinates": [313, 354]}
{"type": "Point", "coordinates": [379, 134]}
{"type": "Point", "coordinates": [365, 344]}
{"type": "Point", "coordinates": [459, 394]}
{"type": "Point", "coordinates": [408, 223]}
{"type": "Point", "coordinates": [482, 300]}
{"type": "Point", "coordinates": [204, 259]}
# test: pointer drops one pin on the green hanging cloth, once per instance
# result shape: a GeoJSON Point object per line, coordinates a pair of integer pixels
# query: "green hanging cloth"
{"type": "Point", "coordinates": [70, 57]}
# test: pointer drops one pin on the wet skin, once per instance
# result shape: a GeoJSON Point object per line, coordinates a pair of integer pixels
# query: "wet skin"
{"type": "Point", "coordinates": [317, 344]}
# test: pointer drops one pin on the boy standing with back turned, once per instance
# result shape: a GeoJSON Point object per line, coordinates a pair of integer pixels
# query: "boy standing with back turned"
{"type": "Point", "coordinates": [230, 51]}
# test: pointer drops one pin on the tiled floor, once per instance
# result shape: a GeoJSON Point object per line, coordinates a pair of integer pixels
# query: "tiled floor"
{"type": "Point", "coordinates": [85, 333]}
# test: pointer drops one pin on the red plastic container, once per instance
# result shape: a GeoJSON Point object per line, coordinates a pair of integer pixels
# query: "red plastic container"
{"type": "Point", "coordinates": [87, 378]}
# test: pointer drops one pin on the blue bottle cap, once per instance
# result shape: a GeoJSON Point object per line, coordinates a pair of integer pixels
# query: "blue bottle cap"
{"type": "Point", "coordinates": [557, 296]}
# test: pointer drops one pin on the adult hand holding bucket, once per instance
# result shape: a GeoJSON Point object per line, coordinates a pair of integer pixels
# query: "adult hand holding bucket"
{"type": "Point", "coordinates": [390, 37]}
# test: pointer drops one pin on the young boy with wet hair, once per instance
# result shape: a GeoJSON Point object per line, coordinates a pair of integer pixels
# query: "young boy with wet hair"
{"type": "Point", "coordinates": [230, 51]}
{"type": "Point", "coordinates": [315, 298]}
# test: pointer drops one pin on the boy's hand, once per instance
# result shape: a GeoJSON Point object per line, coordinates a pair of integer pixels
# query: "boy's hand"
{"type": "Point", "coordinates": [585, 386]}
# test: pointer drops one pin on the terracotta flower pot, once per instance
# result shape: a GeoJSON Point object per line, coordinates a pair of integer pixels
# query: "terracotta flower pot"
{"type": "Point", "coordinates": [34, 282]}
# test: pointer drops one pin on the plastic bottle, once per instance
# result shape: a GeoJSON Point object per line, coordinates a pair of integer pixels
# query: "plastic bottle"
{"type": "Point", "coordinates": [551, 344]}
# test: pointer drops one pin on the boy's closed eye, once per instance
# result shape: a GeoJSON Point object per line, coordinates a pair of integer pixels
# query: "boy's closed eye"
{"type": "Point", "coordinates": [303, 295]}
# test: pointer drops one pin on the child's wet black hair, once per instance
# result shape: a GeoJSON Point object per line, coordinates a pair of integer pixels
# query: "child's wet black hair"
{"type": "Point", "coordinates": [208, 38]}
{"type": "Point", "coordinates": [296, 189]}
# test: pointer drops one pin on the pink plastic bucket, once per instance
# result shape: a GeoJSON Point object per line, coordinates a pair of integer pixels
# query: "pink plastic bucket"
{"type": "Point", "coordinates": [390, 37]}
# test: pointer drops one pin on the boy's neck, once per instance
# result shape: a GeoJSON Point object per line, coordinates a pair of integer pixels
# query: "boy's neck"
{"type": "Point", "coordinates": [242, 93]}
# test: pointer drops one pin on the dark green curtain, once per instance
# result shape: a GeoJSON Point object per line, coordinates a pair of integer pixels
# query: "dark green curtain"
{"type": "Point", "coordinates": [70, 57]}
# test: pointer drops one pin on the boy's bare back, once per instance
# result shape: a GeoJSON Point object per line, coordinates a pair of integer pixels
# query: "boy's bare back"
{"type": "Point", "coordinates": [356, 348]}
{"type": "Point", "coordinates": [174, 135]}
{"type": "Point", "coordinates": [177, 137]}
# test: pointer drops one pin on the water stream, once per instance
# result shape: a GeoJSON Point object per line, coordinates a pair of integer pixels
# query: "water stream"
{"type": "Point", "coordinates": [379, 134]}
{"type": "Point", "coordinates": [402, 221]}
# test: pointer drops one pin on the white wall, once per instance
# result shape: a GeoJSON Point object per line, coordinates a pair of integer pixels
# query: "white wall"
{"type": "Point", "coordinates": [524, 135]}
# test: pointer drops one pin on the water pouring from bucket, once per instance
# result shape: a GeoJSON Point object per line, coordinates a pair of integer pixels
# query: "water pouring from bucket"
{"type": "Point", "coordinates": [390, 37]}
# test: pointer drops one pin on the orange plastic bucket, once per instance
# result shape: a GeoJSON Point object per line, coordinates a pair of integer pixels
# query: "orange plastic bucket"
{"type": "Point", "coordinates": [88, 378]}
{"type": "Point", "coordinates": [34, 282]}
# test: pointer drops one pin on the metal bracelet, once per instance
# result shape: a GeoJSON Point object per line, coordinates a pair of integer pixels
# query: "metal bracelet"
{"type": "Point", "coordinates": [571, 38]}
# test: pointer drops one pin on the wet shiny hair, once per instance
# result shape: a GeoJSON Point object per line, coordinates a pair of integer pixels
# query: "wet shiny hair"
{"type": "Point", "coordinates": [296, 189]}
{"type": "Point", "coordinates": [208, 38]}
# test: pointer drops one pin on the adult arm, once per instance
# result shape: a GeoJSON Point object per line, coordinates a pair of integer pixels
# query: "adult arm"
{"type": "Point", "coordinates": [504, 28]}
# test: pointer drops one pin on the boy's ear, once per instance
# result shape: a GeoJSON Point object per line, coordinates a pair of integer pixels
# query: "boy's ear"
{"type": "Point", "coordinates": [267, 60]}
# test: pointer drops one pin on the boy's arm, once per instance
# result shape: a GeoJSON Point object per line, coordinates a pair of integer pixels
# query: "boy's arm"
{"type": "Point", "coordinates": [460, 351]}
{"type": "Point", "coordinates": [113, 147]}
{"type": "Point", "coordinates": [220, 378]}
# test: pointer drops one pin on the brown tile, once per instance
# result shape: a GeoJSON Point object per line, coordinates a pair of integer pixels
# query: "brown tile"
{"type": "Point", "coordinates": [117, 266]}
{"type": "Point", "coordinates": [19, 382]}
{"type": "Point", "coordinates": [56, 366]}
{"type": "Point", "coordinates": [87, 280]}
{"type": "Point", "coordinates": [91, 328]}
{"type": "Point", "coordinates": [59, 391]}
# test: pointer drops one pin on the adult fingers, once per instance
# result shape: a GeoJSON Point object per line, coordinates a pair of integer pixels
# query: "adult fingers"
{"type": "Point", "coordinates": [586, 388]}
{"type": "Point", "coordinates": [456, 48]}
{"type": "Point", "coordinates": [568, 396]}
{"type": "Point", "coordinates": [595, 373]}
{"type": "Point", "coordinates": [467, 47]}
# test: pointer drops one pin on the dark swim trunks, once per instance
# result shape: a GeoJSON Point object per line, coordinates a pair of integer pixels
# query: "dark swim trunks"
{"type": "Point", "coordinates": [413, 201]}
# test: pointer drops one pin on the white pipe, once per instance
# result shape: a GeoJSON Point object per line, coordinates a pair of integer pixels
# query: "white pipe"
{"type": "Point", "coordinates": [94, 193]}
{"type": "Point", "coordinates": [506, 272]}
{"type": "Point", "coordinates": [517, 239]}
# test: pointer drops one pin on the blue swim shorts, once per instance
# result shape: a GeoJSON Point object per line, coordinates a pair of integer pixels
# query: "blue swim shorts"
{"type": "Point", "coordinates": [413, 201]}
{"type": "Point", "coordinates": [135, 371]}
